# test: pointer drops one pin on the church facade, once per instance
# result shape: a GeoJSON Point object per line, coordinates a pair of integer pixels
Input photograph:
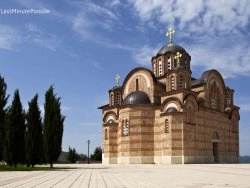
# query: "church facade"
{"type": "Point", "coordinates": [165, 116]}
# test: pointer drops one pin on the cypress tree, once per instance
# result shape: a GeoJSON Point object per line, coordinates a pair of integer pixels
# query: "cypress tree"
{"type": "Point", "coordinates": [97, 155]}
{"type": "Point", "coordinates": [72, 156]}
{"type": "Point", "coordinates": [15, 127]}
{"type": "Point", "coordinates": [3, 102]}
{"type": "Point", "coordinates": [33, 134]}
{"type": "Point", "coordinates": [53, 127]}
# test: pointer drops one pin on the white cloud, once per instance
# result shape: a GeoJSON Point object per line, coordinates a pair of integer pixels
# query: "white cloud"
{"type": "Point", "coordinates": [244, 107]}
{"type": "Point", "coordinates": [144, 54]}
{"type": "Point", "coordinates": [148, 8]}
{"type": "Point", "coordinates": [116, 45]}
{"type": "Point", "coordinates": [42, 38]}
{"type": "Point", "coordinates": [112, 3]}
{"type": "Point", "coordinates": [65, 108]}
{"type": "Point", "coordinates": [102, 11]}
{"type": "Point", "coordinates": [243, 103]}
{"type": "Point", "coordinates": [216, 35]}
{"type": "Point", "coordinates": [230, 59]}
{"type": "Point", "coordinates": [32, 28]}
{"type": "Point", "coordinates": [31, 4]}
{"type": "Point", "coordinates": [9, 37]}
{"type": "Point", "coordinates": [199, 16]}
{"type": "Point", "coordinates": [90, 124]}
{"type": "Point", "coordinates": [82, 25]}
{"type": "Point", "coordinates": [96, 65]}
{"type": "Point", "coordinates": [94, 19]}
{"type": "Point", "coordinates": [47, 43]}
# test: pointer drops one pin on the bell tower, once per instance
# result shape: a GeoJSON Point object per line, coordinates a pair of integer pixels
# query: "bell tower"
{"type": "Point", "coordinates": [115, 94]}
{"type": "Point", "coordinates": [172, 62]}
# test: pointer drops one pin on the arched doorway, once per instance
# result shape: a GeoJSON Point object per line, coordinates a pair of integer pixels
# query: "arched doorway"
{"type": "Point", "coordinates": [215, 142]}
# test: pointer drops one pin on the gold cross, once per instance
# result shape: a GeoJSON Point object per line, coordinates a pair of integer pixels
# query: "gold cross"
{"type": "Point", "coordinates": [178, 56]}
{"type": "Point", "coordinates": [169, 33]}
{"type": "Point", "coordinates": [117, 78]}
{"type": "Point", "coordinates": [224, 77]}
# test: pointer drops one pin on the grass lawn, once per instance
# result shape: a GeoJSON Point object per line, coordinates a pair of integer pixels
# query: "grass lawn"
{"type": "Point", "coordinates": [24, 168]}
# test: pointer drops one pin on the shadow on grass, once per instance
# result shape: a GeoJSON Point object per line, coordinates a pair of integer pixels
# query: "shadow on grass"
{"type": "Point", "coordinates": [36, 168]}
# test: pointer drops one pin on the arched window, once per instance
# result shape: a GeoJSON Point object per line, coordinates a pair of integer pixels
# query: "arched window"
{"type": "Point", "coordinates": [186, 65]}
{"type": "Point", "coordinates": [117, 97]}
{"type": "Point", "coordinates": [137, 84]}
{"type": "Point", "coordinates": [125, 127]}
{"type": "Point", "coordinates": [234, 125]}
{"type": "Point", "coordinates": [190, 115]}
{"type": "Point", "coordinates": [160, 68]}
{"type": "Point", "coordinates": [172, 82]}
{"type": "Point", "coordinates": [228, 98]}
{"type": "Point", "coordinates": [214, 103]}
{"type": "Point", "coordinates": [215, 136]}
{"type": "Point", "coordinates": [166, 126]}
{"type": "Point", "coordinates": [111, 99]}
{"type": "Point", "coordinates": [154, 67]}
{"type": "Point", "coordinates": [226, 101]}
{"type": "Point", "coordinates": [169, 63]}
{"type": "Point", "coordinates": [106, 134]}
{"type": "Point", "coordinates": [181, 82]}
{"type": "Point", "coordinates": [214, 96]}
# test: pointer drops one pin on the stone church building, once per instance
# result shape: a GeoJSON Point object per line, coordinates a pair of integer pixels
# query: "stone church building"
{"type": "Point", "coordinates": [165, 116]}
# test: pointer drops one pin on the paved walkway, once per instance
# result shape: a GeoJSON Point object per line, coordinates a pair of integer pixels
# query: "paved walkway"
{"type": "Point", "coordinates": [122, 176]}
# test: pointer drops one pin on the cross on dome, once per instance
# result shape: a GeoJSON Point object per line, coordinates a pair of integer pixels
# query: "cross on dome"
{"type": "Point", "coordinates": [117, 78]}
{"type": "Point", "coordinates": [169, 34]}
{"type": "Point", "coordinates": [177, 57]}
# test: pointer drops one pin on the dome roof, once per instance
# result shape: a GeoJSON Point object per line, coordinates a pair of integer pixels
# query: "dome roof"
{"type": "Point", "coordinates": [171, 48]}
{"type": "Point", "coordinates": [137, 97]}
{"type": "Point", "coordinates": [115, 87]}
{"type": "Point", "coordinates": [111, 121]}
{"type": "Point", "coordinates": [172, 109]}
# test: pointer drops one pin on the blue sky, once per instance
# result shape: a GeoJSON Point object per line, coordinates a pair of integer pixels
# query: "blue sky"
{"type": "Point", "coordinates": [80, 45]}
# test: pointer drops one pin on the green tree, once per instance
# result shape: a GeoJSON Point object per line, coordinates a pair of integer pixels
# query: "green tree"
{"type": "Point", "coordinates": [53, 127]}
{"type": "Point", "coordinates": [15, 127]}
{"type": "Point", "coordinates": [3, 102]}
{"type": "Point", "coordinates": [82, 157]}
{"type": "Point", "coordinates": [72, 156]}
{"type": "Point", "coordinates": [33, 133]}
{"type": "Point", "coordinates": [97, 155]}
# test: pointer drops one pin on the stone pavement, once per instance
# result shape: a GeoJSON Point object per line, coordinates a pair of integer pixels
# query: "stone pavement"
{"type": "Point", "coordinates": [122, 176]}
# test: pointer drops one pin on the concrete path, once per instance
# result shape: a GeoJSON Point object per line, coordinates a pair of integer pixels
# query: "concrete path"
{"type": "Point", "coordinates": [122, 176]}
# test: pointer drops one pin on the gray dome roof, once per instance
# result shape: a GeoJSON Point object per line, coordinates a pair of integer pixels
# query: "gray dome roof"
{"type": "Point", "coordinates": [171, 48]}
{"type": "Point", "coordinates": [116, 87]}
{"type": "Point", "coordinates": [137, 97]}
{"type": "Point", "coordinates": [111, 121]}
{"type": "Point", "coordinates": [172, 109]}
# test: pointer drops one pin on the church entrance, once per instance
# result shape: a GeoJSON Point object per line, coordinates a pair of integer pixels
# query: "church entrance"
{"type": "Point", "coordinates": [215, 142]}
{"type": "Point", "coordinates": [215, 152]}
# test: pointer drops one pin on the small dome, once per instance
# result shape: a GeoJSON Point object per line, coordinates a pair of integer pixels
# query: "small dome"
{"type": "Point", "coordinates": [172, 109]}
{"type": "Point", "coordinates": [111, 121]}
{"type": "Point", "coordinates": [116, 87]}
{"type": "Point", "coordinates": [179, 68]}
{"type": "Point", "coordinates": [137, 97]}
{"type": "Point", "coordinates": [171, 48]}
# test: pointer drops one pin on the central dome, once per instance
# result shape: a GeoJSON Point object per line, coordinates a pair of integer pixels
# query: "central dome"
{"type": "Point", "coordinates": [136, 97]}
{"type": "Point", "coordinates": [171, 48]}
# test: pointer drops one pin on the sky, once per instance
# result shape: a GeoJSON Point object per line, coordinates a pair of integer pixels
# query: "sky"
{"type": "Point", "coordinates": [79, 46]}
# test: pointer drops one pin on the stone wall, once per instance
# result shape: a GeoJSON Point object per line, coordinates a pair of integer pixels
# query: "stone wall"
{"type": "Point", "coordinates": [138, 146]}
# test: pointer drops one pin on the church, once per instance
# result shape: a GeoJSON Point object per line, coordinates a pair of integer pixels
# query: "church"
{"type": "Point", "coordinates": [165, 116]}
